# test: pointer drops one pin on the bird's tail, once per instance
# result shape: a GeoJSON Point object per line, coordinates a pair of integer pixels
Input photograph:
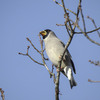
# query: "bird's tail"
{"type": "Point", "coordinates": [72, 82]}
{"type": "Point", "coordinates": [69, 74]}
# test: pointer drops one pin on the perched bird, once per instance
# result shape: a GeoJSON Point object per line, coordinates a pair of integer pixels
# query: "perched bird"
{"type": "Point", "coordinates": [54, 49]}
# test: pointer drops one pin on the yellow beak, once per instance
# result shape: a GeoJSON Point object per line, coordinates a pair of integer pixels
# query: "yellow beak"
{"type": "Point", "coordinates": [43, 33]}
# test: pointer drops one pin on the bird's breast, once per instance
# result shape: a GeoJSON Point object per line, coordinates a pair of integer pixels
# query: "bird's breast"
{"type": "Point", "coordinates": [54, 50]}
{"type": "Point", "coordinates": [53, 56]}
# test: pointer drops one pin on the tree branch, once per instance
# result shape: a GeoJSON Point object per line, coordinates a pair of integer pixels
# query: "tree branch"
{"type": "Point", "coordinates": [87, 36]}
{"type": "Point", "coordinates": [89, 80]}
{"type": "Point", "coordinates": [97, 63]}
{"type": "Point", "coordinates": [80, 8]}
{"type": "Point", "coordinates": [33, 45]}
{"type": "Point", "coordinates": [88, 31]}
{"type": "Point", "coordinates": [93, 24]}
{"type": "Point", "coordinates": [65, 8]}
{"type": "Point", "coordinates": [27, 54]}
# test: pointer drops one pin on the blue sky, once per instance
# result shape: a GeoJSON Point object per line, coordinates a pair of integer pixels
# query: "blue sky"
{"type": "Point", "coordinates": [22, 79]}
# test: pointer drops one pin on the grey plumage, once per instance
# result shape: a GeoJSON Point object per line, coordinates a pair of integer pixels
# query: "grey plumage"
{"type": "Point", "coordinates": [54, 49]}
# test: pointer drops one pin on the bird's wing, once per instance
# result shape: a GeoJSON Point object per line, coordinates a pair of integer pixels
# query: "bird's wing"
{"type": "Point", "coordinates": [73, 66]}
{"type": "Point", "coordinates": [69, 55]}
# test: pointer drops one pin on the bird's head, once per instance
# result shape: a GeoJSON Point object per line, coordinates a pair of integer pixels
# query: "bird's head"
{"type": "Point", "coordinates": [45, 33]}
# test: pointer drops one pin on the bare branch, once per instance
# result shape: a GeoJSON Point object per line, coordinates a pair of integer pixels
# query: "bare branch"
{"type": "Point", "coordinates": [88, 31]}
{"type": "Point", "coordinates": [65, 8]}
{"type": "Point", "coordinates": [85, 27]}
{"type": "Point", "coordinates": [36, 48]}
{"type": "Point", "coordinates": [27, 54]}
{"type": "Point", "coordinates": [60, 24]}
{"type": "Point", "coordinates": [80, 8]}
{"type": "Point", "coordinates": [66, 16]}
{"type": "Point", "coordinates": [94, 24]}
{"type": "Point", "coordinates": [57, 84]}
{"type": "Point", "coordinates": [41, 53]}
{"type": "Point", "coordinates": [88, 36]}
{"type": "Point", "coordinates": [97, 63]}
{"type": "Point", "coordinates": [33, 45]}
{"type": "Point", "coordinates": [77, 19]}
{"type": "Point", "coordinates": [89, 80]}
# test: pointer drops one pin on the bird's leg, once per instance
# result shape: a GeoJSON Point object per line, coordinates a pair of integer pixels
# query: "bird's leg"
{"type": "Point", "coordinates": [61, 68]}
{"type": "Point", "coordinates": [52, 67]}
{"type": "Point", "coordinates": [57, 68]}
{"type": "Point", "coordinates": [52, 70]}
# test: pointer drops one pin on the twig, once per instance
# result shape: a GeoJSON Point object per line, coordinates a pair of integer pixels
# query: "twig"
{"type": "Point", "coordinates": [94, 24]}
{"type": "Point", "coordinates": [80, 8]}
{"type": "Point", "coordinates": [65, 8]}
{"type": "Point", "coordinates": [41, 53]}
{"type": "Point", "coordinates": [52, 70]}
{"type": "Point", "coordinates": [66, 15]}
{"type": "Point", "coordinates": [87, 36]}
{"type": "Point", "coordinates": [77, 19]}
{"type": "Point", "coordinates": [97, 63]}
{"type": "Point", "coordinates": [36, 48]}
{"type": "Point", "coordinates": [27, 54]}
{"type": "Point", "coordinates": [60, 24]}
{"type": "Point", "coordinates": [2, 94]}
{"type": "Point", "coordinates": [85, 30]}
{"type": "Point", "coordinates": [33, 45]}
{"type": "Point", "coordinates": [72, 31]}
{"type": "Point", "coordinates": [88, 31]}
{"type": "Point", "coordinates": [89, 80]}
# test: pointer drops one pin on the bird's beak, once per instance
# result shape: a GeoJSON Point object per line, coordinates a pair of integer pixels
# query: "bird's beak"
{"type": "Point", "coordinates": [43, 33]}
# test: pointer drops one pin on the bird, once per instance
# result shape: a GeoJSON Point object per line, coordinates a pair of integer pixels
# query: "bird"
{"type": "Point", "coordinates": [54, 48]}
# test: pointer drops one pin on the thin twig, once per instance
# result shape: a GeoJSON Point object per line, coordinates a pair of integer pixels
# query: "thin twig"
{"type": "Point", "coordinates": [66, 16]}
{"type": "Point", "coordinates": [89, 80]}
{"type": "Point", "coordinates": [67, 26]}
{"type": "Point", "coordinates": [87, 36]}
{"type": "Point", "coordinates": [77, 19]}
{"type": "Point", "coordinates": [41, 53]}
{"type": "Point", "coordinates": [85, 28]}
{"type": "Point", "coordinates": [36, 48]}
{"type": "Point", "coordinates": [60, 24]}
{"type": "Point", "coordinates": [33, 45]}
{"type": "Point", "coordinates": [94, 24]}
{"type": "Point", "coordinates": [65, 8]}
{"type": "Point", "coordinates": [72, 32]}
{"type": "Point", "coordinates": [27, 54]}
{"type": "Point", "coordinates": [85, 32]}
{"type": "Point", "coordinates": [88, 31]}
{"type": "Point", "coordinates": [82, 18]}
{"type": "Point", "coordinates": [97, 63]}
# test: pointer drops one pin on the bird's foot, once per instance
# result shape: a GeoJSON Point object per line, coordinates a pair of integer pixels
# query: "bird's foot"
{"type": "Point", "coordinates": [59, 69]}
